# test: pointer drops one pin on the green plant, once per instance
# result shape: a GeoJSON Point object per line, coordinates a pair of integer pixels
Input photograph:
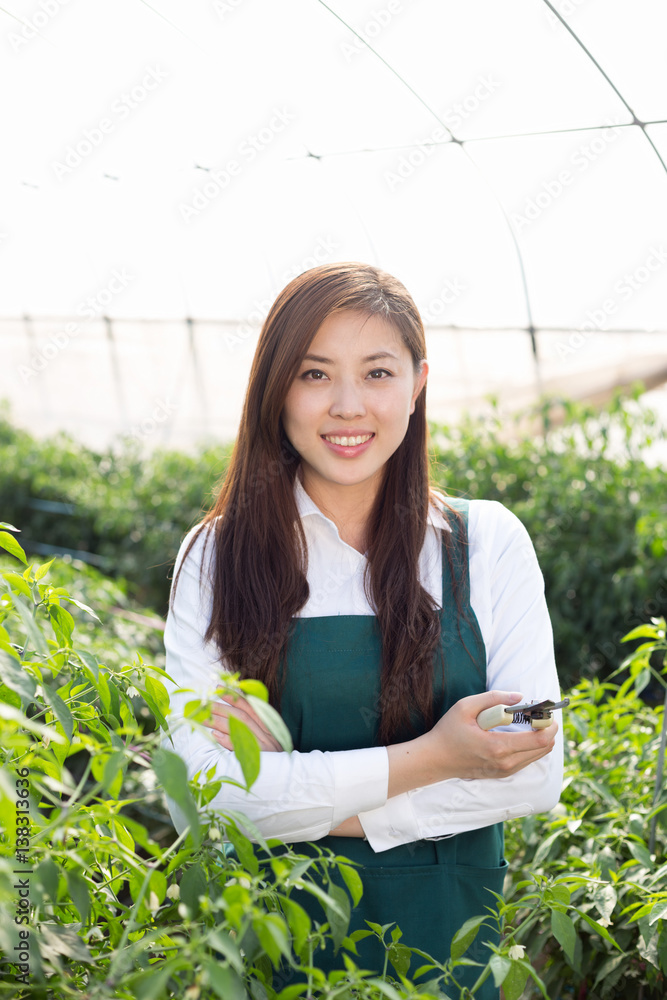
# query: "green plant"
{"type": "Point", "coordinates": [641, 670]}
{"type": "Point", "coordinates": [595, 512]}
{"type": "Point", "coordinates": [597, 843]}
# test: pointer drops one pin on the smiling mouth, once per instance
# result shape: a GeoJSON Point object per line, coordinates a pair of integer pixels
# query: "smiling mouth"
{"type": "Point", "coordinates": [347, 442]}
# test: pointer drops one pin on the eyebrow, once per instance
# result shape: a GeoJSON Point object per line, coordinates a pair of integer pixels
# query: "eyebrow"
{"type": "Point", "coordinates": [371, 357]}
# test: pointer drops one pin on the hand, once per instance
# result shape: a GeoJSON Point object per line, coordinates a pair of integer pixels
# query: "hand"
{"type": "Point", "coordinates": [456, 747]}
{"type": "Point", "coordinates": [238, 707]}
{"type": "Point", "coordinates": [466, 751]}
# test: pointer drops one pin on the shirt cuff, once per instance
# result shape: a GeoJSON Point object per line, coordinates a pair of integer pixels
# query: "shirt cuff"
{"type": "Point", "coordinates": [361, 781]}
{"type": "Point", "coordinates": [393, 824]}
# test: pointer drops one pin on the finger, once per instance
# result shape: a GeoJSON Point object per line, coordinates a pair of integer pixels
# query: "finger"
{"type": "Point", "coordinates": [240, 708]}
{"type": "Point", "coordinates": [220, 723]}
{"type": "Point", "coordinates": [238, 701]}
{"type": "Point", "coordinates": [223, 740]}
{"type": "Point", "coordinates": [220, 732]}
{"type": "Point", "coordinates": [476, 703]}
{"type": "Point", "coordinates": [525, 740]}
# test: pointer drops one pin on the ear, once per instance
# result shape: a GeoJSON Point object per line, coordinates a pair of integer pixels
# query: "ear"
{"type": "Point", "coordinates": [420, 382]}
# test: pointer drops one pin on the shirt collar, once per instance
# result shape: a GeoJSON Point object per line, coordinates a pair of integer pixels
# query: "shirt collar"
{"type": "Point", "coordinates": [307, 506]}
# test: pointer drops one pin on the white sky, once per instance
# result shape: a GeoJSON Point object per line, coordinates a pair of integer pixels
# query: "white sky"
{"type": "Point", "coordinates": [222, 71]}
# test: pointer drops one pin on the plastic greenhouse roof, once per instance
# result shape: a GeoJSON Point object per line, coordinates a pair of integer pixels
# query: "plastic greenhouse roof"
{"type": "Point", "coordinates": [506, 161]}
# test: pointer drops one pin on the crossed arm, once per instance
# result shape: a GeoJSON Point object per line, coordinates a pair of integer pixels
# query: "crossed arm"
{"type": "Point", "coordinates": [453, 778]}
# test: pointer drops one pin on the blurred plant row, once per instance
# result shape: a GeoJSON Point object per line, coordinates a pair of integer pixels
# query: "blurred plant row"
{"type": "Point", "coordinates": [596, 512]}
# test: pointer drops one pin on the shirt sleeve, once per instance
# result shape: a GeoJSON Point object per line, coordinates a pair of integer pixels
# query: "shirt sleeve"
{"type": "Point", "coordinates": [507, 596]}
{"type": "Point", "coordinates": [297, 796]}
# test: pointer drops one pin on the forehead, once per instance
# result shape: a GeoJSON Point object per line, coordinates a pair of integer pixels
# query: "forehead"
{"type": "Point", "coordinates": [353, 332]}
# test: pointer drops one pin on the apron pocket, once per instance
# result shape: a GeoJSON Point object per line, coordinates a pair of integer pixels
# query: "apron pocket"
{"type": "Point", "coordinates": [429, 903]}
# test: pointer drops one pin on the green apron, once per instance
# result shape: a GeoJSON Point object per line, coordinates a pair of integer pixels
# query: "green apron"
{"type": "Point", "coordinates": [330, 698]}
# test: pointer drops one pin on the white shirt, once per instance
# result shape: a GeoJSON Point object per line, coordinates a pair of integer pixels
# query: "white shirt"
{"type": "Point", "coordinates": [303, 796]}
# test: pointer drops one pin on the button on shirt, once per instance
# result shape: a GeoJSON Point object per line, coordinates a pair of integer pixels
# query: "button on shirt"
{"type": "Point", "coordinates": [304, 796]}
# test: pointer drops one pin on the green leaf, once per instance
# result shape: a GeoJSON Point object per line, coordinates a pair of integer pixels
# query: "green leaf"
{"type": "Point", "coordinates": [465, 936]}
{"type": "Point", "coordinates": [544, 847]}
{"type": "Point", "coordinates": [385, 989]}
{"type": "Point", "coordinates": [499, 966]}
{"type": "Point", "coordinates": [18, 583]}
{"type": "Point", "coordinates": [399, 956]}
{"type": "Point", "coordinates": [33, 632]}
{"type": "Point", "coordinates": [255, 688]}
{"type": "Point", "coordinates": [82, 607]}
{"type": "Point", "coordinates": [598, 928]}
{"type": "Point", "coordinates": [158, 880]}
{"type": "Point", "coordinates": [58, 940]}
{"type": "Point", "coordinates": [42, 570]}
{"type": "Point", "coordinates": [17, 677]}
{"type": "Point", "coordinates": [564, 932]}
{"type": "Point", "coordinates": [515, 981]}
{"type": "Point", "coordinates": [42, 732]}
{"type": "Point", "coordinates": [272, 933]}
{"type": "Point", "coordinates": [642, 632]}
{"type": "Point", "coordinates": [157, 699]}
{"type": "Point", "coordinates": [112, 775]}
{"type": "Point", "coordinates": [80, 894]}
{"type": "Point", "coordinates": [225, 981]}
{"type": "Point", "coordinates": [608, 967]}
{"type": "Point", "coordinates": [9, 697]}
{"type": "Point", "coordinates": [640, 853]}
{"type": "Point", "coordinates": [658, 912]}
{"type": "Point", "coordinates": [662, 947]}
{"type": "Point", "coordinates": [560, 893]}
{"type": "Point", "coordinates": [298, 922]}
{"type": "Point", "coordinates": [90, 664]}
{"type": "Point", "coordinates": [222, 942]}
{"type": "Point", "coordinates": [61, 711]}
{"type": "Point", "coordinates": [63, 624]}
{"type": "Point", "coordinates": [9, 543]}
{"type": "Point", "coordinates": [353, 882]}
{"type": "Point", "coordinates": [338, 915]}
{"type": "Point", "coordinates": [47, 874]}
{"type": "Point", "coordinates": [272, 720]}
{"type": "Point", "coordinates": [243, 847]}
{"type": "Point", "coordinates": [604, 897]}
{"type": "Point", "coordinates": [173, 777]}
{"type": "Point", "coordinates": [10, 527]}
{"type": "Point", "coordinates": [193, 885]}
{"type": "Point", "coordinates": [152, 985]}
{"type": "Point", "coordinates": [246, 748]}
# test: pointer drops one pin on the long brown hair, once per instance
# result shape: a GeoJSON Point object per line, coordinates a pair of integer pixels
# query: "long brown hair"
{"type": "Point", "coordinates": [260, 559]}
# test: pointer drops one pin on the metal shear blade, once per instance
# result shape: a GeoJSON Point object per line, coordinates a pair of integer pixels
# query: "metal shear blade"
{"type": "Point", "coordinates": [540, 707]}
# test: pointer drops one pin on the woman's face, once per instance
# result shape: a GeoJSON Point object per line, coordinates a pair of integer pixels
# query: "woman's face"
{"type": "Point", "coordinates": [348, 408]}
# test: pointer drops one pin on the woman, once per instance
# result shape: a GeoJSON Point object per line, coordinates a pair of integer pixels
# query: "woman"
{"type": "Point", "coordinates": [382, 617]}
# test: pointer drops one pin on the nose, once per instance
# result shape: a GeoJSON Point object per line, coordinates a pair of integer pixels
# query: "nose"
{"type": "Point", "coordinates": [347, 401]}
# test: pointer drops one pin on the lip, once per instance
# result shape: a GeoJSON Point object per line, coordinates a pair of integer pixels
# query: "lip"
{"type": "Point", "coordinates": [349, 451]}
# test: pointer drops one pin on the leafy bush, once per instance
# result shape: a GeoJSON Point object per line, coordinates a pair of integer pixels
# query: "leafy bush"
{"type": "Point", "coordinates": [596, 513]}
{"type": "Point", "coordinates": [129, 511]}
{"type": "Point", "coordinates": [607, 841]}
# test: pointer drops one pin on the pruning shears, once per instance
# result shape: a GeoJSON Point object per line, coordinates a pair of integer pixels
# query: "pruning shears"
{"type": "Point", "coordinates": [538, 714]}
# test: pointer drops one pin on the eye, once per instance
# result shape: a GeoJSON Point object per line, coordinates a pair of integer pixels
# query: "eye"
{"type": "Point", "coordinates": [313, 375]}
{"type": "Point", "coordinates": [378, 373]}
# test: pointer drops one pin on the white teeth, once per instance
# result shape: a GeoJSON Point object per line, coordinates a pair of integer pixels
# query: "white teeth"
{"type": "Point", "coordinates": [347, 442]}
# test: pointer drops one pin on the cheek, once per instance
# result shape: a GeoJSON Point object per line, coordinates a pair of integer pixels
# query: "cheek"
{"type": "Point", "coordinates": [298, 410]}
{"type": "Point", "coordinates": [394, 408]}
